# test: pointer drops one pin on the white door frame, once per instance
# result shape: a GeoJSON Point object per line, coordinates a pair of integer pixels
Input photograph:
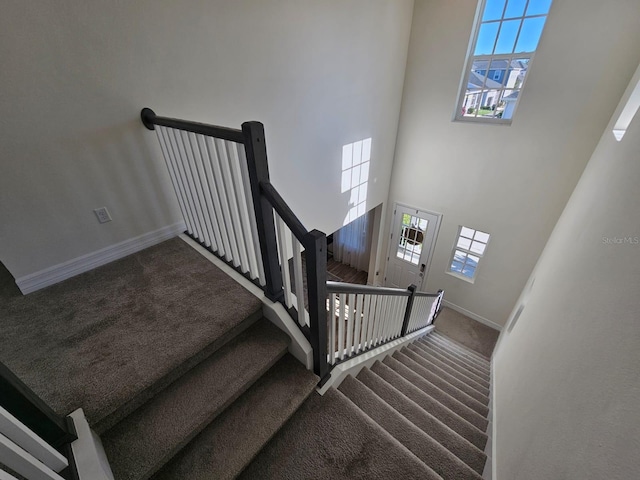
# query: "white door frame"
{"type": "Point", "coordinates": [433, 247]}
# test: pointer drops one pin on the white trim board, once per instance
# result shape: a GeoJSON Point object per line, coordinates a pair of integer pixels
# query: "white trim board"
{"type": "Point", "coordinates": [57, 273]}
{"type": "Point", "coordinates": [472, 315]}
{"type": "Point", "coordinates": [353, 366]}
{"type": "Point", "coordinates": [493, 423]}
{"type": "Point", "coordinates": [88, 452]}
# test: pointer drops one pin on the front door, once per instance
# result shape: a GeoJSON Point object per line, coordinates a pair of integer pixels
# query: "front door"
{"type": "Point", "coordinates": [413, 235]}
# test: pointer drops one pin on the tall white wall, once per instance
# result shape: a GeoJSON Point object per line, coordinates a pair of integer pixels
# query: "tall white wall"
{"type": "Point", "coordinates": [511, 181]}
{"type": "Point", "coordinates": [76, 73]}
{"type": "Point", "coordinates": [566, 376]}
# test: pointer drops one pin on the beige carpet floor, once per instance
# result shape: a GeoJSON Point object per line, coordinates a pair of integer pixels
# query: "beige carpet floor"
{"type": "Point", "coordinates": [107, 335]}
{"type": "Point", "coordinates": [466, 331]}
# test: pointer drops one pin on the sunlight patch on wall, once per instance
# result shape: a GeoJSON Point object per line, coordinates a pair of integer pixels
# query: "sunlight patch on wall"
{"type": "Point", "coordinates": [356, 158]}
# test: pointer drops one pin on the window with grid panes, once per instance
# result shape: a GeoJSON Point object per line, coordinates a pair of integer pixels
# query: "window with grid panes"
{"type": "Point", "coordinates": [468, 250]}
{"type": "Point", "coordinates": [411, 237]}
{"type": "Point", "coordinates": [504, 41]}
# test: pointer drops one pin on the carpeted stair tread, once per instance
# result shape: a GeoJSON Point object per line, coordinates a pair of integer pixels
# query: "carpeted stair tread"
{"type": "Point", "coordinates": [451, 390]}
{"type": "Point", "coordinates": [429, 345]}
{"type": "Point", "coordinates": [475, 361]}
{"type": "Point", "coordinates": [406, 371]}
{"type": "Point", "coordinates": [144, 441]}
{"type": "Point", "coordinates": [453, 369]}
{"type": "Point", "coordinates": [426, 342]}
{"type": "Point", "coordinates": [93, 340]}
{"type": "Point", "coordinates": [439, 341]}
{"type": "Point", "coordinates": [429, 342]}
{"type": "Point", "coordinates": [453, 362]}
{"type": "Point", "coordinates": [460, 348]}
{"type": "Point", "coordinates": [472, 382]}
{"type": "Point", "coordinates": [226, 446]}
{"type": "Point", "coordinates": [446, 416]}
{"type": "Point", "coordinates": [330, 438]}
{"type": "Point", "coordinates": [433, 454]}
{"type": "Point", "coordinates": [425, 364]}
{"type": "Point", "coordinates": [452, 403]}
{"type": "Point", "coordinates": [460, 345]}
{"type": "Point", "coordinates": [447, 437]}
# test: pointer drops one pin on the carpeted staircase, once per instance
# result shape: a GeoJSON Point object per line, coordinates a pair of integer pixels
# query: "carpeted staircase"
{"type": "Point", "coordinates": [181, 376]}
{"type": "Point", "coordinates": [421, 413]}
{"type": "Point", "coordinates": [217, 416]}
{"type": "Point", "coordinates": [170, 359]}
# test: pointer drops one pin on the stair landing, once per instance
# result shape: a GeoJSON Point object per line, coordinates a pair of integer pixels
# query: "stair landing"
{"type": "Point", "coordinates": [122, 331]}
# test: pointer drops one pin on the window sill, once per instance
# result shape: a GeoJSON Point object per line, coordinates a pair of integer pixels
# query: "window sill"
{"type": "Point", "coordinates": [484, 121]}
{"type": "Point", "coordinates": [461, 277]}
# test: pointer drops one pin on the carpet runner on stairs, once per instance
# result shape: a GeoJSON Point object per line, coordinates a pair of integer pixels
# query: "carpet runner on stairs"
{"type": "Point", "coordinates": [217, 416]}
{"type": "Point", "coordinates": [420, 413]}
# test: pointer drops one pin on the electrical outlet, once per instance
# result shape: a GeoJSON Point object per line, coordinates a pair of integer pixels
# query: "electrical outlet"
{"type": "Point", "coordinates": [103, 214]}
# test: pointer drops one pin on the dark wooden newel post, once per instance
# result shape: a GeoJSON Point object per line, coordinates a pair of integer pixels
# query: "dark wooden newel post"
{"type": "Point", "coordinates": [256, 151]}
{"type": "Point", "coordinates": [316, 256]}
{"type": "Point", "coordinates": [407, 313]}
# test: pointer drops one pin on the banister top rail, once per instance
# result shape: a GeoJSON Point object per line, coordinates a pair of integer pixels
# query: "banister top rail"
{"type": "Point", "coordinates": [425, 294]}
{"type": "Point", "coordinates": [150, 120]}
{"type": "Point", "coordinates": [280, 206]}
{"type": "Point", "coordinates": [339, 287]}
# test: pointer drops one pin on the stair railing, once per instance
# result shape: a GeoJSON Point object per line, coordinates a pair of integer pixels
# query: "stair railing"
{"type": "Point", "coordinates": [221, 179]}
{"type": "Point", "coordinates": [35, 442]}
{"type": "Point", "coordinates": [362, 318]}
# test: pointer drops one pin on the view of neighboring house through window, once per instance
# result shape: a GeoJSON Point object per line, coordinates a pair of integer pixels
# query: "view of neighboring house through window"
{"type": "Point", "coordinates": [467, 252]}
{"type": "Point", "coordinates": [505, 38]}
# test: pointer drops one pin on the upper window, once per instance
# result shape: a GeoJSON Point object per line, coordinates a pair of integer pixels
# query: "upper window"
{"type": "Point", "coordinates": [504, 40]}
{"type": "Point", "coordinates": [467, 252]}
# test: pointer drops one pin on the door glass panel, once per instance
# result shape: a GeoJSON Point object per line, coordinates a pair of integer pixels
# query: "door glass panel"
{"type": "Point", "coordinates": [410, 238]}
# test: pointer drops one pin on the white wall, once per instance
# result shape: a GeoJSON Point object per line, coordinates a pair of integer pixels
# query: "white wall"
{"type": "Point", "coordinates": [77, 72]}
{"type": "Point", "coordinates": [517, 178]}
{"type": "Point", "coordinates": [566, 376]}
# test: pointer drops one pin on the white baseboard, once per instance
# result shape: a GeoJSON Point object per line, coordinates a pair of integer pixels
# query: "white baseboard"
{"type": "Point", "coordinates": [353, 366]}
{"type": "Point", "coordinates": [472, 315]}
{"type": "Point", "coordinates": [57, 273]}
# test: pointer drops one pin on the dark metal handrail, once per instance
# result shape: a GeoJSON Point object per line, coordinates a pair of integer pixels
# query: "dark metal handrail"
{"type": "Point", "coordinates": [150, 120]}
{"type": "Point", "coordinates": [425, 294]}
{"type": "Point", "coordinates": [340, 287]}
{"type": "Point", "coordinates": [281, 207]}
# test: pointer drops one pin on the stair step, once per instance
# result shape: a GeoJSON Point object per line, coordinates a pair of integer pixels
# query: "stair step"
{"type": "Point", "coordinates": [233, 439]}
{"type": "Point", "coordinates": [144, 441]}
{"type": "Point", "coordinates": [472, 380]}
{"type": "Point", "coordinates": [387, 370]}
{"type": "Point", "coordinates": [461, 348]}
{"type": "Point", "coordinates": [427, 343]}
{"type": "Point", "coordinates": [452, 390]}
{"type": "Point", "coordinates": [453, 350]}
{"type": "Point", "coordinates": [433, 454]}
{"type": "Point", "coordinates": [448, 401]}
{"type": "Point", "coordinates": [447, 437]}
{"type": "Point", "coordinates": [466, 369]}
{"type": "Point", "coordinates": [472, 388]}
{"type": "Point", "coordinates": [142, 396]}
{"type": "Point", "coordinates": [329, 437]}
{"type": "Point", "coordinates": [428, 366]}
{"type": "Point", "coordinates": [453, 404]}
